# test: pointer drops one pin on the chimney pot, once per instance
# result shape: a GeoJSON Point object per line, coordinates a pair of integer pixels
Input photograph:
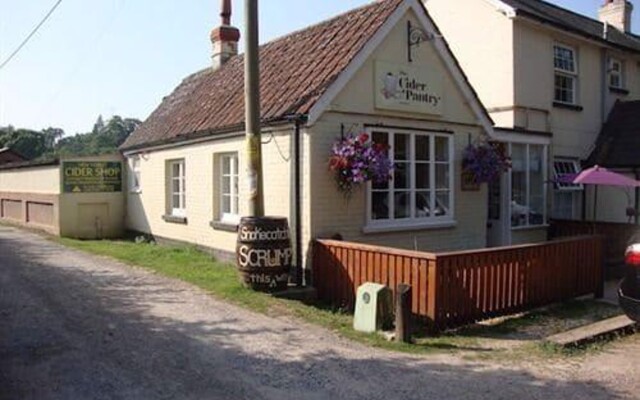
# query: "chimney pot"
{"type": "Point", "coordinates": [224, 38]}
{"type": "Point", "coordinates": [617, 13]}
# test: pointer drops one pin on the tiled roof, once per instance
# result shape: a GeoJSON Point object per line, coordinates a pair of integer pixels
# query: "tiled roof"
{"type": "Point", "coordinates": [568, 20]}
{"type": "Point", "coordinates": [619, 142]}
{"type": "Point", "coordinates": [295, 71]}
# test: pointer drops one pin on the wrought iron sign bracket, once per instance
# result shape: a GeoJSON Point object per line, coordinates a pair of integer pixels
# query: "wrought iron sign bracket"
{"type": "Point", "coordinates": [415, 36]}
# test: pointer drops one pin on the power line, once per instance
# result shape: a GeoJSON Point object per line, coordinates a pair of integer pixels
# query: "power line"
{"type": "Point", "coordinates": [33, 32]}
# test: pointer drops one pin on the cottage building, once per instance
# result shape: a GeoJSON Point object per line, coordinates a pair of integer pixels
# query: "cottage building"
{"type": "Point", "coordinates": [8, 155]}
{"type": "Point", "coordinates": [549, 78]}
{"type": "Point", "coordinates": [187, 161]}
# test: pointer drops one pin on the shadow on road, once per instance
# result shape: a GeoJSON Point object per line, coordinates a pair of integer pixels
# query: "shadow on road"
{"type": "Point", "coordinates": [74, 326]}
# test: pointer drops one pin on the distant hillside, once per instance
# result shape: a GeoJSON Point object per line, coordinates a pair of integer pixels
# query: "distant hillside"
{"type": "Point", "coordinates": [51, 142]}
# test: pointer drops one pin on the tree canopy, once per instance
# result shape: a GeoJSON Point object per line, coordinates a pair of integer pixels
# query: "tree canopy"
{"type": "Point", "coordinates": [103, 138]}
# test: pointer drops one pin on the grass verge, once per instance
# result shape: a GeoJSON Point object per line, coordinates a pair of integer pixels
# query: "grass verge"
{"type": "Point", "coordinates": [221, 280]}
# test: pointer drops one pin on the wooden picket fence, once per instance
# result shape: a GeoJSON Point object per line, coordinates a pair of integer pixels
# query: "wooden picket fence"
{"type": "Point", "coordinates": [617, 235]}
{"type": "Point", "coordinates": [458, 288]}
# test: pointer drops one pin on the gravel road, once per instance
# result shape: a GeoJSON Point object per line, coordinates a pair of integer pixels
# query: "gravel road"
{"type": "Point", "coordinates": [76, 326]}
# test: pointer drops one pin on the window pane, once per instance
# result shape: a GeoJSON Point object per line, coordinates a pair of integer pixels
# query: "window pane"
{"type": "Point", "coordinates": [235, 165]}
{"type": "Point", "coordinates": [380, 205]}
{"type": "Point", "coordinates": [536, 186]}
{"type": "Point", "coordinates": [442, 176]}
{"type": "Point", "coordinates": [442, 149]}
{"type": "Point", "coordinates": [175, 170]}
{"type": "Point", "coordinates": [564, 91]}
{"type": "Point", "coordinates": [402, 176]}
{"type": "Point", "coordinates": [422, 176]}
{"type": "Point", "coordinates": [175, 201]}
{"type": "Point", "coordinates": [226, 165]}
{"type": "Point", "coordinates": [423, 208]}
{"type": "Point", "coordinates": [226, 204]}
{"type": "Point", "coordinates": [442, 203]}
{"type": "Point", "coordinates": [402, 147]}
{"type": "Point", "coordinates": [402, 204]}
{"type": "Point", "coordinates": [226, 185]}
{"type": "Point", "coordinates": [564, 59]}
{"type": "Point", "coordinates": [519, 206]}
{"type": "Point", "coordinates": [422, 148]}
{"type": "Point", "coordinates": [175, 186]}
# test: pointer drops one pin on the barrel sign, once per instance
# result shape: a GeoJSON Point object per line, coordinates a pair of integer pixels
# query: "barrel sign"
{"type": "Point", "coordinates": [264, 253]}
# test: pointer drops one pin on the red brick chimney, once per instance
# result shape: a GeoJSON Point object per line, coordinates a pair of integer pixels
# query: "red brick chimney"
{"type": "Point", "coordinates": [617, 13]}
{"type": "Point", "coordinates": [224, 38]}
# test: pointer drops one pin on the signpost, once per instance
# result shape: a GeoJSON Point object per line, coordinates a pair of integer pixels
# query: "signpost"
{"type": "Point", "coordinates": [91, 176]}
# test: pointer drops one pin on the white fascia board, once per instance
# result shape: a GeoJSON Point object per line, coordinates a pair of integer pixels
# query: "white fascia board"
{"type": "Point", "coordinates": [348, 73]}
{"type": "Point", "coordinates": [345, 77]}
{"type": "Point", "coordinates": [505, 9]}
{"type": "Point", "coordinates": [516, 137]}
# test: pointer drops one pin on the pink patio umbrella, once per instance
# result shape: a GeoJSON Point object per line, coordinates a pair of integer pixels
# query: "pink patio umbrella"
{"type": "Point", "coordinates": [597, 175]}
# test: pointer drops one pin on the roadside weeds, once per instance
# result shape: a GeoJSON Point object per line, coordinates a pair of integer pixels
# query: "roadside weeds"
{"type": "Point", "coordinates": [510, 338]}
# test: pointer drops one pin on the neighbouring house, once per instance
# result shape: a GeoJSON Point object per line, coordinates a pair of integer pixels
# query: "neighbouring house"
{"type": "Point", "coordinates": [78, 197]}
{"type": "Point", "coordinates": [549, 78]}
{"type": "Point", "coordinates": [10, 156]}
{"type": "Point", "coordinates": [363, 71]}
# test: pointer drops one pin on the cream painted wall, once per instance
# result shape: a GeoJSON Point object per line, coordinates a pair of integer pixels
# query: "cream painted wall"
{"type": "Point", "coordinates": [146, 207]}
{"type": "Point", "coordinates": [353, 108]}
{"type": "Point", "coordinates": [482, 40]}
{"type": "Point", "coordinates": [44, 180]}
{"type": "Point", "coordinates": [574, 132]}
{"type": "Point", "coordinates": [93, 215]}
{"type": "Point", "coordinates": [359, 95]}
{"type": "Point", "coordinates": [331, 213]}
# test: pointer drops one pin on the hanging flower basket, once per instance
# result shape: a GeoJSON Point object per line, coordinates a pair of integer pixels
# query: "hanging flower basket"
{"type": "Point", "coordinates": [355, 160]}
{"type": "Point", "coordinates": [485, 161]}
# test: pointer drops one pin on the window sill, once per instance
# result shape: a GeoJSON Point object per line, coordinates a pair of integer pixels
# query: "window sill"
{"type": "Point", "coordinates": [617, 90]}
{"type": "Point", "coordinates": [135, 191]}
{"type": "Point", "coordinates": [413, 226]}
{"type": "Point", "coordinates": [224, 226]}
{"type": "Point", "coordinates": [529, 227]}
{"type": "Point", "coordinates": [567, 106]}
{"type": "Point", "coordinates": [172, 219]}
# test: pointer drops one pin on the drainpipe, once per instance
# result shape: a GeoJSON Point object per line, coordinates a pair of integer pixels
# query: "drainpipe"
{"type": "Point", "coordinates": [603, 88]}
{"type": "Point", "coordinates": [296, 215]}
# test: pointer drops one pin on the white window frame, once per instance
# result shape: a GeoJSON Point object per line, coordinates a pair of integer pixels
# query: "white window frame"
{"type": "Point", "coordinates": [566, 73]}
{"type": "Point", "coordinates": [527, 160]}
{"type": "Point", "coordinates": [135, 174]}
{"type": "Point", "coordinates": [180, 209]}
{"type": "Point", "coordinates": [413, 222]}
{"type": "Point", "coordinates": [560, 164]}
{"type": "Point", "coordinates": [616, 72]}
{"type": "Point", "coordinates": [232, 215]}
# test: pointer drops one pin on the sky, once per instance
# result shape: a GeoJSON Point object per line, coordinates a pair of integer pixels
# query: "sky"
{"type": "Point", "coordinates": [121, 57]}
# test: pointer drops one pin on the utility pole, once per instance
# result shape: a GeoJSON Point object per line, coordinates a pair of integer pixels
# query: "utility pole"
{"type": "Point", "coordinates": [252, 110]}
{"type": "Point", "coordinates": [259, 235]}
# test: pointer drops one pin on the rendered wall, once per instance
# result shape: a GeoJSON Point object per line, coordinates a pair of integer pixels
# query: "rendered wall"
{"type": "Point", "coordinates": [330, 213]}
{"type": "Point", "coordinates": [145, 208]}
{"type": "Point", "coordinates": [93, 215]}
{"type": "Point", "coordinates": [482, 40]}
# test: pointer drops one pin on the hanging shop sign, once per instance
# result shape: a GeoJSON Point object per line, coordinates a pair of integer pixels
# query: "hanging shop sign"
{"type": "Point", "coordinates": [400, 87]}
{"type": "Point", "coordinates": [91, 176]}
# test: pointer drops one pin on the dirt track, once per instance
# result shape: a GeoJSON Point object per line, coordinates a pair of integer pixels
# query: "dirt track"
{"type": "Point", "coordinates": [75, 326]}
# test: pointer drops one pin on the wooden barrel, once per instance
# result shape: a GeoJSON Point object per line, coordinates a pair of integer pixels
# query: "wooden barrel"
{"type": "Point", "coordinates": [264, 253]}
